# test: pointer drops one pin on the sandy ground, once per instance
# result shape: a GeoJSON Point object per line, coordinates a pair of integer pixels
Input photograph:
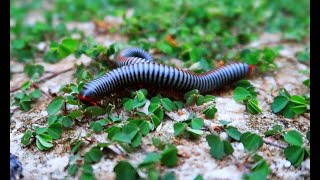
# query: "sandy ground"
{"type": "Point", "coordinates": [193, 154]}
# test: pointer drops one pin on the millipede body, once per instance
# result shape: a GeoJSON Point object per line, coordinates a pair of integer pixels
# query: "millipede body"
{"type": "Point", "coordinates": [136, 66]}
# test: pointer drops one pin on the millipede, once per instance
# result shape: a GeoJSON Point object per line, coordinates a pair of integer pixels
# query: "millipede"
{"type": "Point", "coordinates": [137, 67]}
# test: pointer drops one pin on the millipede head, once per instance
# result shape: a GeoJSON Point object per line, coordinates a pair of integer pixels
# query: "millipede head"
{"type": "Point", "coordinates": [87, 97]}
{"type": "Point", "coordinates": [251, 68]}
{"type": "Point", "coordinates": [87, 101]}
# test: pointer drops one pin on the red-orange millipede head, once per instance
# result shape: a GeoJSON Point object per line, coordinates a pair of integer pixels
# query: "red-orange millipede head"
{"type": "Point", "coordinates": [251, 68]}
{"type": "Point", "coordinates": [87, 100]}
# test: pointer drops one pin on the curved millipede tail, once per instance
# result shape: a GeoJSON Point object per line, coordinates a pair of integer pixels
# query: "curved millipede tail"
{"type": "Point", "coordinates": [141, 69]}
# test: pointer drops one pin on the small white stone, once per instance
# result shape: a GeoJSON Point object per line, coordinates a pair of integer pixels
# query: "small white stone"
{"type": "Point", "coordinates": [286, 53]}
{"type": "Point", "coordinates": [223, 135]}
{"type": "Point", "coordinates": [41, 46]}
{"type": "Point", "coordinates": [287, 164]}
{"type": "Point", "coordinates": [44, 113]}
{"type": "Point", "coordinates": [239, 146]}
{"type": "Point", "coordinates": [85, 60]}
{"type": "Point", "coordinates": [176, 117]}
{"type": "Point", "coordinates": [76, 36]}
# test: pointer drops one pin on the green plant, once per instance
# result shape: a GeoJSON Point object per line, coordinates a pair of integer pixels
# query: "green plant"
{"type": "Point", "coordinates": [23, 99]}
{"type": "Point", "coordinates": [245, 93]}
{"type": "Point", "coordinates": [290, 106]}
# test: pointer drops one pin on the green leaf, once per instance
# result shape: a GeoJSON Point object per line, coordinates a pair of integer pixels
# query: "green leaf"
{"type": "Point", "coordinates": [136, 141]}
{"type": "Point", "coordinates": [164, 47]}
{"type": "Point", "coordinates": [159, 113]}
{"type": "Point", "coordinates": [198, 177]}
{"type": "Point", "coordinates": [169, 176]}
{"type": "Point", "coordinates": [306, 83]}
{"type": "Point", "coordinates": [149, 160]}
{"type": "Point", "coordinates": [153, 174]}
{"type": "Point", "coordinates": [40, 130]}
{"type": "Point", "coordinates": [179, 128]}
{"type": "Point", "coordinates": [294, 154]}
{"type": "Point", "coordinates": [251, 142]}
{"type": "Point", "coordinates": [200, 100]}
{"type": "Point", "coordinates": [269, 55]}
{"type": "Point", "coordinates": [96, 126]}
{"type": "Point", "coordinates": [284, 92]}
{"type": "Point", "coordinates": [276, 129]}
{"type": "Point", "coordinates": [128, 106]}
{"type": "Point", "coordinates": [252, 57]}
{"type": "Point", "coordinates": [25, 105]}
{"type": "Point", "coordinates": [303, 56]}
{"type": "Point", "coordinates": [25, 140]}
{"type": "Point", "coordinates": [33, 71]}
{"type": "Point", "coordinates": [169, 156]}
{"type": "Point", "coordinates": [153, 107]}
{"type": "Point", "coordinates": [35, 94]}
{"type": "Point", "coordinates": [66, 122]}
{"type": "Point", "coordinates": [18, 44]}
{"type": "Point", "coordinates": [19, 96]}
{"type": "Point", "coordinates": [76, 147]}
{"type": "Point", "coordinates": [140, 96]}
{"type": "Point", "coordinates": [241, 94]}
{"type": "Point", "coordinates": [125, 171]}
{"type": "Point", "coordinates": [156, 142]}
{"type": "Point", "coordinates": [67, 47]}
{"type": "Point", "coordinates": [45, 140]}
{"type": "Point", "coordinates": [308, 135]}
{"type": "Point", "coordinates": [155, 121]}
{"type": "Point", "coordinates": [210, 112]}
{"type": "Point", "coordinates": [223, 122]}
{"type": "Point", "coordinates": [130, 130]}
{"type": "Point", "coordinates": [293, 137]}
{"type": "Point", "coordinates": [87, 172]}
{"type": "Point", "coordinates": [194, 132]}
{"type": "Point", "coordinates": [94, 111]}
{"type": "Point", "coordinates": [75, 114]}
{"type": "Point", "coordinates": [228, 149]}
{"type": "Point", "coordinates": [94, 155]}
{"type": "Point", "coordinates": [288, 112]}
{"type": "Point", "coordinates": [233, 133]}
{"type": "Point", "coordinates": [216, 146]}
{"type": "Point", "coordinates": [299, 109]}
{"type": "Point", "coordinates": [208, 98]}
{"type": "Point", "coordinates": [253, 106]}
{"type": "Point", "coordinates": [121, 137]}
{"type": "Point", "coordinates": [190, 100]}
{"type": "Point", "coordinates": [113, 130]}
{"type": "Point", "coordinates": [144, 128]}
{"type": "Point", "coordinates": [300, 100]}
{"type": "Point", "coordinates": [179, 104]}
{"type": "Point", "coordinates": [279, 103]}
{"type": "Point", "coordinates": [26, 86]}
{"type": "Point", "coordinates": [73, 169]}
{"type": "Point", "coordinates": [167, 104]}
{"type": "Point", "coordinates": [138, 104]}
{"type": "Point", "coordinates": [197, 123]}
{"type": "Point", "coordinates": [55, 130]}
{"type": "Point", "coordinates": [55, 106]}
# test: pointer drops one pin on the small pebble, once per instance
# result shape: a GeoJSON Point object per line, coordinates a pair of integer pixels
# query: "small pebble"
{"type": "Point", "coordinates": [223, 135]}
{"type": "Point", "coordinates": [287, 164]}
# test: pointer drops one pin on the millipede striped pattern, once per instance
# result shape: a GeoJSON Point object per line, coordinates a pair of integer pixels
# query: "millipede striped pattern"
{"type": "Point", "coordinates": [132, 56]}
{"type": "Point", "coordinates": [137, 67]}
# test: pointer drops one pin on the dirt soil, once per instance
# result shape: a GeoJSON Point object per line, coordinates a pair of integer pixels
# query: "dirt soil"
{"type": "Point", "coordinates": [192, 154]}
